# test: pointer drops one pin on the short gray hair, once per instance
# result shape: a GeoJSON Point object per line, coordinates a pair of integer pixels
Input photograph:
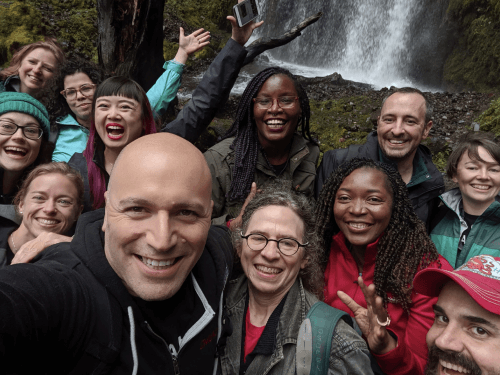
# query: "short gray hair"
{"type": "Point", "coordinates": [312, 275]}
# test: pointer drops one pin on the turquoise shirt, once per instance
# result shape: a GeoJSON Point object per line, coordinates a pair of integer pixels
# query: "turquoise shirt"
{"type": "Point", "coordinates": [73, 137]}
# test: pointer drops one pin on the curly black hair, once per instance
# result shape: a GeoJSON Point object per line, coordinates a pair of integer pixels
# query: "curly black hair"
{"type": "Point", "coordinates": [246, 143]}
{"type": "Point", "coordinates": [56, 103]}
{"type": "Point", "coordinates": [405, 245]}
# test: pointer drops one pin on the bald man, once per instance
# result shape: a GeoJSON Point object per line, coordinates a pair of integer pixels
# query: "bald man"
{"type": "Point", "coordinates": [139, 289]}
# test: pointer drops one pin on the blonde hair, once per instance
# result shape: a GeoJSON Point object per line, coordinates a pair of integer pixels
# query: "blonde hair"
{"type": "Point", "coordinates": [15, 63]}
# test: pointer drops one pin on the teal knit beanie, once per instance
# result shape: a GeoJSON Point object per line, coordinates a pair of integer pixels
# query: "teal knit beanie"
{"type": "Point", "coordinates": [24, 103]}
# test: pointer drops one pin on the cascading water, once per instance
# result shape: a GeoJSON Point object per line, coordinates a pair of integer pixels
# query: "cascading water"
{"type": "Point", "coordinates": [371, 41]}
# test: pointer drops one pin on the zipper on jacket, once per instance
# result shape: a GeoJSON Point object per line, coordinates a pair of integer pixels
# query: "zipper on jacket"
{"type": "Point", "coordinates": [170, 349]}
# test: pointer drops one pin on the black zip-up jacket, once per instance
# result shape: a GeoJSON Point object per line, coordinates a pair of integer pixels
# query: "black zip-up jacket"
{"type": "Point", "coordinates": [69, 313]}
{"type": "Point", "coordinates": [424, 196]}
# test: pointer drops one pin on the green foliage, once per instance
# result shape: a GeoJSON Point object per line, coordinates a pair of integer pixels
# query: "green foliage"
{"type": "Point", "coordinates": [210, 15]}
{"type": "Point", "coordinates": [71, 22]}
{"type": "Point", "coordinates": [475, 62]}
{"type": "Point", "coordinates": [169, 50]}
{"type": "Point", "coordinates": [340, 123]}
{"type": "Point", "coordinates": [490, 119]}
{"type": "Point", "coordinates": [19, 25]}
{"type": "Point", "coordinates": [440, 159]}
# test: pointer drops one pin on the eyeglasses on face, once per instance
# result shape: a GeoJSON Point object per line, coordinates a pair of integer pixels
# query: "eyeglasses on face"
{"type": "Point", "coordinates": [86, 90]}
{"type": "Point", "coordinates": [283, 102]}
{"type": "Point", "coordinates": [286, 246]}
{"type": "Point", "coordinates": [8, 127]}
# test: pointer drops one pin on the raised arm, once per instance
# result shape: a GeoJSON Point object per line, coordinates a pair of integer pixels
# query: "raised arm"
{"type": "Point", "coordinates": [165, 88]}
{"type": "Point", "coordinates": [213, 90]}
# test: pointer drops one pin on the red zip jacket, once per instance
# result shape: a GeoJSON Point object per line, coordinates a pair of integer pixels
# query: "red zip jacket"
{"type": "Point", "coordinates": [410, 356]}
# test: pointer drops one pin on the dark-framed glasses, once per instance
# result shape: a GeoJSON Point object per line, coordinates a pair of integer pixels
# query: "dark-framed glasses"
{"type": "Point", "coordinates": [8, 127]}
{"type": "Point", "coordinates": [286, 246]}
{"type": "Point", "coordinates": [283, 102]}
{"type": "Point", "coordinates": [86, 90]}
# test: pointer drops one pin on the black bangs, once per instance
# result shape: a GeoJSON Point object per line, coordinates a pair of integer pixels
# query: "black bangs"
{"type": "Point", "coordinates": [120, 86]}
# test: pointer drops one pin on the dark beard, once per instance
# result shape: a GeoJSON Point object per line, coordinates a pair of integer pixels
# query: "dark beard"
{"type": "Point", "coordinates": [435, 354]}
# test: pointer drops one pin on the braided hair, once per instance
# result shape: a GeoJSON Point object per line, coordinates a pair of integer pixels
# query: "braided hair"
{"type": "Point", "coordinates": [246, 143]}
{"type": "Point", "coordinates": [404, 246]}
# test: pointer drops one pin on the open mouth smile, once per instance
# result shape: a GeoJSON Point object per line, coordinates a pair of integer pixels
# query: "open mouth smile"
{"type": "Point", "coordinates": [481, 187]}
{"type": "Point", "coordinates": [451, 369]}
{"type": "Point", "coordinates": [44, 222]}
{"type": "Point", "coordinates": [158, 265]}
{"type": "Point", "coordinates": [115, 131]}
{"type": "Point", "coordinates": [358, 226]}
{"type": "Point", "coordinates": [275, 124]}
{"type": "Point", "coordinates": [16, 152]}
{"type": "Point", "coordinates": [268, 270]}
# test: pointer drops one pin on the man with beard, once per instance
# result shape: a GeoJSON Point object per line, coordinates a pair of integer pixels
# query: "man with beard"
{"type": "Point", "coordinates": [405, 120]}
{"type": "Point", "coordinates": [465, 336]}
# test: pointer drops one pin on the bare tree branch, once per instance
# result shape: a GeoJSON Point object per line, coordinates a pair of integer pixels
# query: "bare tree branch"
{"type": "Point", "coordinates": [263, 44]}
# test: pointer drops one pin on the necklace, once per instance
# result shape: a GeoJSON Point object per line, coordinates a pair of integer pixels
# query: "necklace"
{"type": "Point", "coordinates": [13, 243]}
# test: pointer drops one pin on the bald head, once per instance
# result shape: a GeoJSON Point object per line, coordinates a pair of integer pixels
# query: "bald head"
{"type": "Point", "coordinates": [158, 209]}
{"type": "Point", "coordinates": [162, 151]}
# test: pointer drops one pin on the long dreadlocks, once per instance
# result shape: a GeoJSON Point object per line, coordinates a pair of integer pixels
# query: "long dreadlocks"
{"type": "Point", "coordinates": [404, 246]}
{"type": "Point", "coordinates": [246, 143]}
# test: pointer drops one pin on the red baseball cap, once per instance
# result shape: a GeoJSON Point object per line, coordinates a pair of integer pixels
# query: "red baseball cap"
{"type": "Point", "coordinates": [479, 277]}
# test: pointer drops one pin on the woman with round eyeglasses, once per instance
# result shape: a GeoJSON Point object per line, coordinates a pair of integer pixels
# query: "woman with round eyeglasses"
{"type": "Point", "coordinates": [279, 253]}
{"type": "Point", "coordinates": [467, 222]}
{"type": "Point", "coordinates": [70, 103]}
{"type": "Point", "coordinates": [269, 143]}
{"type": "Point", "coordinates": [49, 201]}
{"type": "Point", "coordinates": [374, 246]}
{"type": "Point", "coordinates": [24, 132]}
{"type": "Point", "coordinates": [31, 68]}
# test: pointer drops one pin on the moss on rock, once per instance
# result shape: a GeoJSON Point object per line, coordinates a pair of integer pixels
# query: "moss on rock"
{"type": "Point", "coordinates": [343, 122]}
{"type": "Point", "coordinates": [475, 62]}
{"type": "Point", "coordinates": [210, 15]}
{"type": "Point", "coordinates": [490, 119]}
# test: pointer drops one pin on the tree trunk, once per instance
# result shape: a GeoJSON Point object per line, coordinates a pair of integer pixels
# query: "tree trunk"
{"type": "Point", "coordinates": [130, 38]}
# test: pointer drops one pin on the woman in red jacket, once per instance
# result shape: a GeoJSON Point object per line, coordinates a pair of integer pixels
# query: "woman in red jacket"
{"type": "Point", "coordinates": [375, 238]}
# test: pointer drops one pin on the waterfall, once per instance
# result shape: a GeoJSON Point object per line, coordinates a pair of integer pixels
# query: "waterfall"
{"type": "Point", "coordinates": [380, 42]}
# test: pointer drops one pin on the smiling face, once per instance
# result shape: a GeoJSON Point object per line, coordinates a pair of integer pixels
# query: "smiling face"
{"type": "Point", "coordinates": [363, 206]}
{"type": "Point", "coordinates": [81, 106]}
{"type": "Point", "coordinates": [118, 120]}
{"type": "Point", "coordinates": [154, 236]}
{"type": "Point", "coordinates": [276, 124]}
{"type": "Point", "coordinates": [37, 67]}
{"type": "Point", "coordinates": [402, 126]}
{"type": "Point", "coordinates": [269, 272]}
{"type": "Point", "coordinates": [479, 181]}
{"type": "Point", "coordinates": [16, 151]}
{"type": "Point", "coordinates": [463, 334]}
{"type": "Point", "coordinates": [50, 205]}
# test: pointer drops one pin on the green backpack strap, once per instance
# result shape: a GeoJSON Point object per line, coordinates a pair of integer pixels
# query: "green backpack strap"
{"type": "Point", "coordinates": [314, 341]}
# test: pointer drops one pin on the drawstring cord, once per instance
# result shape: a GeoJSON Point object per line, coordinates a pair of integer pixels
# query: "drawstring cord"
{"type": "Point", "coordinates": [132, 340]}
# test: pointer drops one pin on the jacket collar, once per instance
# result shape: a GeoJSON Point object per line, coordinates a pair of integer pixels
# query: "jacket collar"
{"type": "Point", "coordinates": [453, 200]}
{"type": "Point", "coordinates": [12, 83]}
{"type": "Point", "coordinates": [298, 150]}
{"type": "Point", "coordinates": [293, 314]}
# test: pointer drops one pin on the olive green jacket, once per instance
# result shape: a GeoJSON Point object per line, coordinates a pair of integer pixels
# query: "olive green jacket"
{"type": "Point", "coordinates": [299, 174]}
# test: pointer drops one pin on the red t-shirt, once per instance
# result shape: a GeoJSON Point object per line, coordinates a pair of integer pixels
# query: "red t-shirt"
{"type": "Point", "coordinates": [252, 335]}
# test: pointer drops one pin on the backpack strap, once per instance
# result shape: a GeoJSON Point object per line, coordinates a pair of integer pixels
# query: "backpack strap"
{"type": "Point", "coordinates": [314, 341]}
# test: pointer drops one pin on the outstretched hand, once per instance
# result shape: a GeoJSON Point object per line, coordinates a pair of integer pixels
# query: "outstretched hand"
{"type": "Point", "coordinates": [191, 43]}
{"type": "Point", "coordinates": [34, 247]}
{"type": "Point", "coordinates": [378, 338]}
{"type": "Point", "coordinates": [237, 221]}
{"type": "Point", "coordinates": [242, 34]}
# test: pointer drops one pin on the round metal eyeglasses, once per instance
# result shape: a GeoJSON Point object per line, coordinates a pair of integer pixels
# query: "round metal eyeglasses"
{"type": "Point", "coordinates": [283, 102]}
{"type": "Point", "coordinates": [286, 246]}
{"type": "Point", "coordinates": [8, 127]}
{"type": "Point", "coordinates": [86, 90]}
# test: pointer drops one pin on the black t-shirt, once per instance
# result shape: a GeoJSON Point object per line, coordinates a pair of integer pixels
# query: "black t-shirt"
{"type": "Point", "coordinates": [469, 220]}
